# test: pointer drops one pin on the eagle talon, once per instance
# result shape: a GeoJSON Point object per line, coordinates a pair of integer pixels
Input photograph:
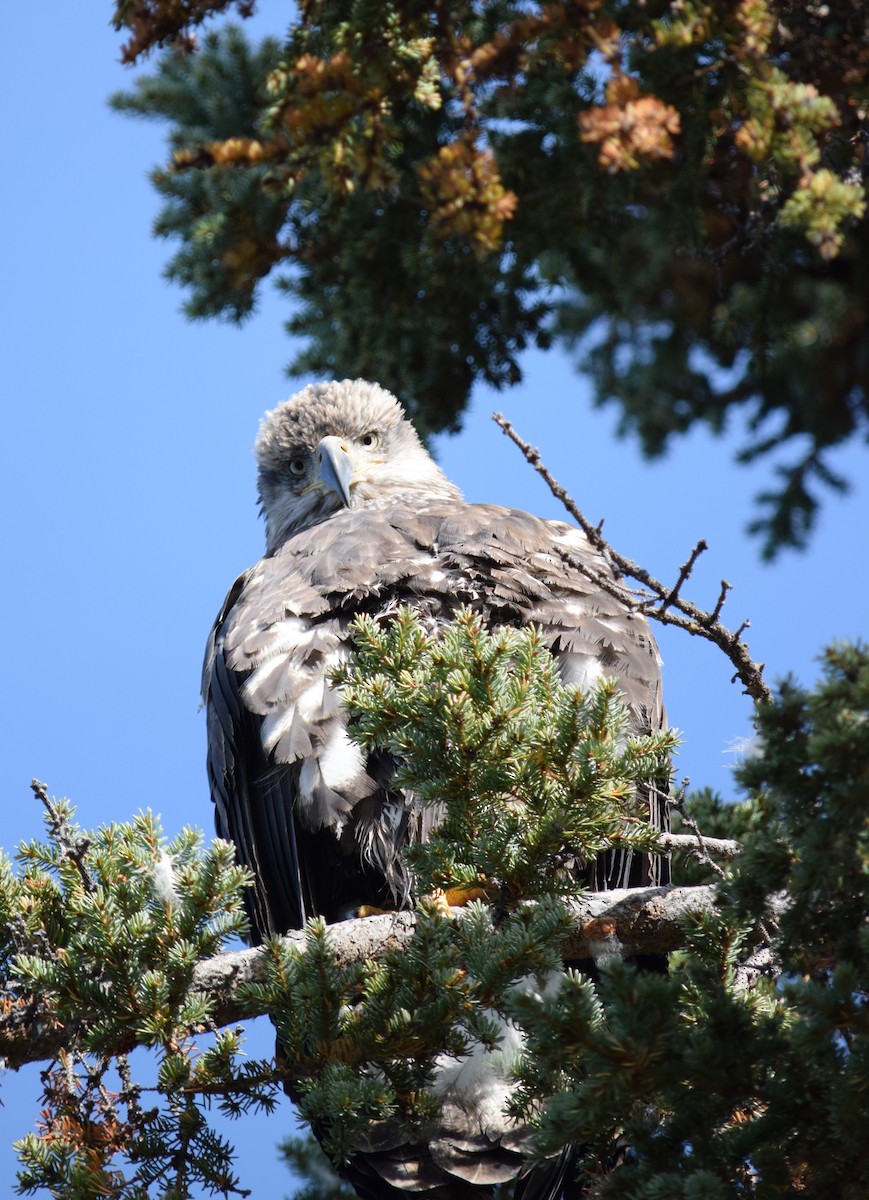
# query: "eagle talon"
{"type": "Point", "coordinates": [443, 900]}
{"type": "Point", "coordinates": [438, 903]}
{"type": "Point", "coordinates": [462, 894]}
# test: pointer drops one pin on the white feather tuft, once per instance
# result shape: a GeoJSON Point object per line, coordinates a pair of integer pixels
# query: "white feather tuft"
{"type": "Point", "coordinates": [481, 1082]}
{"type": "Point", "coordinates": [163, 879]}
{"type": "Point", "coordinates": [309, 780]}
{"type": "Point", "coordinates": [745, 749]}
{"type": "Point", "coordinates": [580, 670]}
{"type": "Point", "coordinates": [274, 727]}
{"type": "Point", "coordinates": [341, 761]}
{"type": "Point", "coordinates": [604, 950]}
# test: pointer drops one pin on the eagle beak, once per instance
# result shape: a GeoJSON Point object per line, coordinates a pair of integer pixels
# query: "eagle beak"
{"type": "Point", "coordinates": [336, 467]}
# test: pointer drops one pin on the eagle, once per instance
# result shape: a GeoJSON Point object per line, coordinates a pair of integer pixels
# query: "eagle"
{"type": "Point", "coordinates": [360, 519]}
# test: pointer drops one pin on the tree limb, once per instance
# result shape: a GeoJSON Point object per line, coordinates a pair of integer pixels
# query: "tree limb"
{"type": "Point", "coordinates": [626, 921]}
{"type": "Point", "coordinates": [659, 600]}
{"type": "Point", "coordinates": [697, 843]}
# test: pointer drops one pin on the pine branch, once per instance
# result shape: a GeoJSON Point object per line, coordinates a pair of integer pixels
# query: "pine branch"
{"type": "Point", "coordinates": [73, 847]}
{"type": "Point", "coordinates": [157, 23]}
{"type": "Point", "coordinates": [626, 921]}
{"type": "Point", "coordinates": [660, 599]}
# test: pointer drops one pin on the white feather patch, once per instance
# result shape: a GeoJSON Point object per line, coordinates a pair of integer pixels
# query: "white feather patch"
{"type": "Point", "coordinates": [275, 725]}
{"type": "Point", "coordinates": [745, 749]}
{"type": "Point", "coordinates": [283, 636]}
{"type": "Point", "coordinates": [481, 1082]}
{"type": "Point", "coordinates": [574, 541]}
{"type": "Point", "coordinates": [258, 686]}
{"type": "Point", "coordinates": [309, 780]}
{"type": "Point", "coordinates": [311, 703]}
{"type": "Point", "coordinates": [580, 670]}
{"type": "Point", "coordinates": [606, 949]}
{"type": "Point", "coordinates": [341, 760]}
{"type": "Point", "coordinates": [339, 655]}
{"type": "Point", "coordinates": [163, 879]}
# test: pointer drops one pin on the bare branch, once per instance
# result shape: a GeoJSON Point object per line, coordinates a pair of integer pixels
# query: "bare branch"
{"type": "Point", "coordinates": [627, 921]}
{"type": "Point", "coordinates": [592, 532]}
{"type": "Point", "coordinates": [722, 596]}
{"type": "Point", "coordinates": [684, 571]}
{"type": "Point", "coordinates": [701, 847]}
{"type": "Point", "coordinates": [661, 599]}
{"type": "Point", "coordinates": [695, 843]}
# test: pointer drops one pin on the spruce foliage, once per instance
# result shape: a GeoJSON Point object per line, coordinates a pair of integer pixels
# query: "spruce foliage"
{"type": "Point", "coordinates": [360, 1042]}
{"type": "Point", "coordinates": [308, 1162]}
{"type": "Point", "coordinates": [726, 1078]}
{"type": "Point", "coordinates": [677, 191]}
{"type": "Point", "coordinates": [741, 1073]}
{"type": "Point", "coordinates": [530, 774]}
{"type": "Point", "coordinates": [227, 221]}
{"type": "Point", "coordinates": [106, 928]}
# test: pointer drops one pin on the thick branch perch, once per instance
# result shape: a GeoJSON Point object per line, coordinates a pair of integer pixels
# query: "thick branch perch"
{"type": "Point", "coordinates": [700, 844]}
{"type": "Point", "coordinates": [627, 921]}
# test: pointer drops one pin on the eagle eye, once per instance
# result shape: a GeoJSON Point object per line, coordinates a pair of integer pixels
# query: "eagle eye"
{"type": "Point", "coordinates": [370, 440]}
{"type": "Point", "coordinates": [298, 466]}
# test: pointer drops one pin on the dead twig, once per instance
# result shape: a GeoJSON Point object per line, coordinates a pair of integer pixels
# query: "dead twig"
{"type": "Point", "coordinates": [659, 602]}
{"type": "Point", "coordinates": [699, 846]}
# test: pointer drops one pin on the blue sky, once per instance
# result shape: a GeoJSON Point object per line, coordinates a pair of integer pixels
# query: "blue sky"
{"type": "Point", "coordinates": [128, 491]}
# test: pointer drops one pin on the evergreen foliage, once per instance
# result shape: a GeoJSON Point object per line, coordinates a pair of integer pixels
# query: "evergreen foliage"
{"type": "Point", "coordinates": [530, 774]}
{"type": "Point", "coordinates": [360, 1041]}
{"type": "Point", "coordinates": [741, 1073]}
{"type": "Point", "coordinates": [726, 1083]}
{"type": "Point", "coordinates": [228, 221]}
{"type": "Point", "coordinates": [532, 777]}
{"type": "Point", "coordinates": [676, 190]}
{"type": "Point", "coordinates": [308, 1162]}
{"type": "Point", "coordinates": [141, 912]}
{"type": "Point", "coordinates": [106, 928]}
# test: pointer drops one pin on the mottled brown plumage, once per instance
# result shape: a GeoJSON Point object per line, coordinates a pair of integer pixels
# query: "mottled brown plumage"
{"type": "Point", "coordinates": [359, 518]}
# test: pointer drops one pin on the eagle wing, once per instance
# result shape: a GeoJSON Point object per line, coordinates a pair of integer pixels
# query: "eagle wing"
{"type": "Point", "coordinates": [317, 822]}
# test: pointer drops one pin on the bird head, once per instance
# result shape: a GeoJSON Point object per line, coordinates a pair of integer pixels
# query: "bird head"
{"type": "Point", "coordinates": [335, 446]}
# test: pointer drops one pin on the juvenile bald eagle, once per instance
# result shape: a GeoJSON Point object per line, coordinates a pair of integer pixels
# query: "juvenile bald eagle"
{"type": "Point", "coordinates": [359, 518]}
